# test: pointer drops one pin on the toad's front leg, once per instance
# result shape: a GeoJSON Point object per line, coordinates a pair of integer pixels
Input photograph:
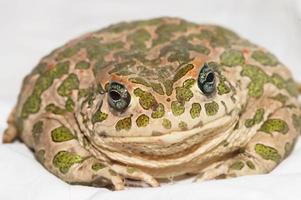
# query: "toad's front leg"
{"type": "Point", "coordinates": [59, 151]}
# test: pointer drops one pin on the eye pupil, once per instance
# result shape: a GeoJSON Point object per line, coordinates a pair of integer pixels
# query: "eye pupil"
{"type": "Point", "coordinates": [115, 95]}
{"type": "Point", "coordinates": [206, 80]}
{"type": "Point", "coordinates": [118, 96]}
{"type": "Point", "coordinates": [210, 77]}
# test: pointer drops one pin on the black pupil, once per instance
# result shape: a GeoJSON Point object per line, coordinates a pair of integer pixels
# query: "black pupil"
{"type": "Point", "coordinates": [115, 95]}
{"type": "Point", "coordinates": [210, 77]}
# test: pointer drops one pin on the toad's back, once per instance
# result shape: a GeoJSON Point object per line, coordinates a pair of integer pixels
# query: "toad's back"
{"type": "Point", "coordinates": [157, 98]}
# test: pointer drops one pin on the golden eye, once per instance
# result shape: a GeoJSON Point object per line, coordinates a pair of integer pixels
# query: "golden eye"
{"type": "Point", "coordinates": [118, 96]}
{"type": "Point", "coordinates": [206, 80]}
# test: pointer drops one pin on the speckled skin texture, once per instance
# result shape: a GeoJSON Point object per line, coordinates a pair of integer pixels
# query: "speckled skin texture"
{"type": "Point", "coordinates": [166, 126]}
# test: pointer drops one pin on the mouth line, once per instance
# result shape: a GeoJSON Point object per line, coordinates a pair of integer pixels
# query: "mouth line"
{"type": "Point", "coordinates": [117, 149]}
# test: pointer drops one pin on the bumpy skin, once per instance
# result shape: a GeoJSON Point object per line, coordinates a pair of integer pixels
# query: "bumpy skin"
{"type": "Point", "coordinates": [248, 125]}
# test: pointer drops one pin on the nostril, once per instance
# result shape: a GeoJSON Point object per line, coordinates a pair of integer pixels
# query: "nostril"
{"type": "Point", "coordinates": [115, 95]}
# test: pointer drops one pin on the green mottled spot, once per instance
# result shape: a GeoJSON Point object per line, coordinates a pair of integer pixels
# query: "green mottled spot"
{"type": "Point", "coordinates": [264, 58]}
{"type": "Point", "coordinates": [131, 170]}
{"type": "Point", "coordinates": [211, 108]}
{"type": "Point", "coordinates": [274, 125]}
{"type": "Point", "coordinates": [177, 108]}
{"type": "Point", "coordinates": [267, 153]}
{"type": "Point", "coordinates": [182, 72]}
{"type": "Point", "coordinates": [258, 117]}
{"type": "Point", "coordinates": [166, 123]}
{"type": "Point", "coordinates": [83, 93]}
{"type": "Point", "coordinates": [142, 120]}
{"type": "Point", "coordinates": [97, 166]}
{"type": "Point", "coordinates": [146, 100]}
{"type": "Point", "coordinates": [139, 38]}
{"type": "Point", "coordinates": [40, 68]}
{"type": "Point", "coordinates": [183, 125]}
{"type": "Point", "coordinates": [61, 134]}
{"type": "Point", "coordinates": [67, 53]}
{"type": "Point", "coordinates": [139, 80]}
{"type": "Point", "coordinates": [232, 58]}
{"type": "Point", "coordinates": [281, 98]}
{"type": "Point", "coordinates": [158, 112]}
{"type": "Point", "coordinates": [69, 84]}
{"type": "Point", "coordinates": [64, 160]}
{"type": "Point", "coordinates": [222, 88]}
{"type": "Point", "coordinates": [258, 79]}
{"type": "Point", "coordinates": [296, 122]}
{"type": "Point", "coordinates": [69, 105]}
{"type": "Point", "coordinates": [168, 85]}
{"type": "Point", "coordinates": [195, 110]}
{"type": "Point", "coordinates": [250, 164]}
{"type": "Point", "coordinates": [31, 105]}
{"type": "Point", "coordinates": [184, 93]}
{"type": "Point", "coordinates": [278, 81]}
{"type": "Point", "coordinates": [99, 117]}
{"type": "Point", "coordinates": [54, 109]}
{"type": "Point", "coordinates": [40, 155]}
{"type": "Point", "coordinates": [82, 65]}
{"type": "Point", "coordinates": [157, 87]}
{"type": "Point", "coordinates": [238, 165]}
{"type": "Point", "coordinates": [125, 124]}
{"type": "Point", "coordinates": [37, 130]}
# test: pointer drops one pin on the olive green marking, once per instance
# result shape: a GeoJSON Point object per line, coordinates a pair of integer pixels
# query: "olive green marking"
{"type": "Point", "coordinates": [139, 38]}
{"type": "Point", "coordinates": [125, 124]}
{"type": "Point", "coordinates": [264, 58]}
{"type": "Point", "coordinates": [195, 110]}
{"type": "Point", "coordinates": [267, 152]}
{"type": "Point", "coordinates": [97, 166]}
{"type": "Point", "coordinates": [258, 79]}
{"type": "Point", "coordinates": [157, 87]}
{"type": "Point", "coordinates": [54, 109]}
{"type": "Point", "coordinates": [232, 58]}
{"type": "Point", "coordinates": [250, 164]}
{"type": "Point", "coordinates": [182, 72]}
{"type": "Point", "coordinates": [63, 160]}
{"type": "Point", "coordinates": [211, 108]}
{"type": "Point", "coordinates": [99, 117]}
{"type": "Point", "coordinates": [142, 120]}
{"type": "Point", "coordinates": [45, 80]}
{"type": "Point", "coordinates": [278, 81]}
{"type": "Point", "coordinates": [184, 93]}
{"type": "Point", "coordinates": [179, 50]}
{"type": "Point", "coordinates": [158, 112]}
{"type": "Point", "coordinates": [222, 88]}
{"type": "Point", "coordinates": [131, 170]}
{"type": "Point", "coordinates": [83, 93]}
{"type": "Point", "coordinates": [238, 165]}
{"type": "Point", "coordinates": [123, 69]}
{"type": "Point", "coordinates": [177, 108]}
{"type": "Point", "coordinates": [274, 125]}
{"type": "Point", "coordinates": [258, 117]}
{"type": "Point", "coordinates": [165, 31]}
{"type": "Point", "coordinates": [166, 123]}
{"type": "Point", "coordinates": [69, 105]}
{"type": "Point", "coordinates": [139, 80]}
{"type": "Point", "coordinates": [61, 134]}
{"type": "Point", "coordinates": [223, 37]}
{"type": "Point", "coordinates": [168, 85]}
{"type": "Point", "coordinates": [82, 65]}
{"type": "Point", "coordinates": [297, 122]}
{"type": "Point", "coordinates": [281, 98]}
{"type": "Point", "coordinates": [37, 130]}
{"type": "Point", "coordinates": [69, 84]}
{"type": "Point", "coordinates": [183, 125]}
{"type": "Point", "coordinates": [40, 155]}
{"type": "Point", "coordinates": [40, 68]}
{"type": "Point", "coordinates": [146, 99]}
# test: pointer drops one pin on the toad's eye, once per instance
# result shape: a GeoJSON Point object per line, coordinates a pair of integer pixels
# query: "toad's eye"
{"type": "Point", "coordinates": [118, 96]}
{"type": "Point", "coordinates": [206, 80]}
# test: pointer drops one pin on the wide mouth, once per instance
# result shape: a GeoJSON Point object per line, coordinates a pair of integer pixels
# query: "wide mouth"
{"type": "Point", "coordinates": [170, 149]}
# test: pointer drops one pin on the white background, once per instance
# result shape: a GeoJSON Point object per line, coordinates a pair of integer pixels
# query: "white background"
{"type": "Point", "coordinates": [29, 29]}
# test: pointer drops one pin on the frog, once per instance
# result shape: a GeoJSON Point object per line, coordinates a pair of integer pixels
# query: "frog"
{"type": "Point", "coordinates": [143, 102]}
